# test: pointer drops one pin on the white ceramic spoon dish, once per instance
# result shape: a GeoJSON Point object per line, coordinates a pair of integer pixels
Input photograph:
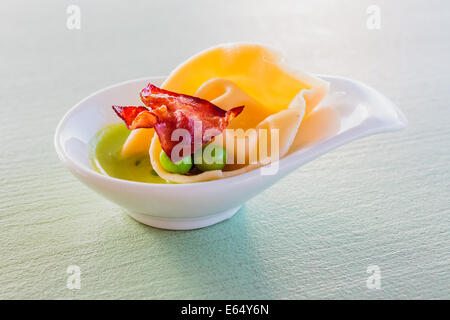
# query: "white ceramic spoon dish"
{"type": "Point", "coordinates": [351, 111]}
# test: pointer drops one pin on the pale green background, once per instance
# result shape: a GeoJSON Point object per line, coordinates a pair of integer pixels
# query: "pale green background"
{"type": "Point", "coordinates": [383, 200]}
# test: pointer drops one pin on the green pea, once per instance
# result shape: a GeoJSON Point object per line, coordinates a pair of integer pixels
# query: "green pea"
{"type": "Point", "coordinates": [213, 158]}
{"type": "Point", "coordinates": [181, 167]}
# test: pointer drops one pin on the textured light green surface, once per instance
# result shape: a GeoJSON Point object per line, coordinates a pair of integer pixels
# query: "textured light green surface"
{"type": "Point", "coordinates": [380, 201]}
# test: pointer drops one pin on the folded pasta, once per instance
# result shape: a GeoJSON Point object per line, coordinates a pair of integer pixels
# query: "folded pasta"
{"type": "Point", "coordinates": [275, 99]}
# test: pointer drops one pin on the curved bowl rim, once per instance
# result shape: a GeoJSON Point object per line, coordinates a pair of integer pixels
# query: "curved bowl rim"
{"type": "Point", "coordinates": [71, 163]}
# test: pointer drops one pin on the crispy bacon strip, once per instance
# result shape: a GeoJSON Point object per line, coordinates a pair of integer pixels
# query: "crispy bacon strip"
{"type": "Point", "coordinates": [136, 117]}
{"type": "Point", "coordinates": [167, 111]}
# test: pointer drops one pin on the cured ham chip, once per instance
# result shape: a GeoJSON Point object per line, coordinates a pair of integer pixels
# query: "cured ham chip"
{"type": "Point", "coordinates": [166, 111]}
{"type": "Point", "coordinates": [136, 117]}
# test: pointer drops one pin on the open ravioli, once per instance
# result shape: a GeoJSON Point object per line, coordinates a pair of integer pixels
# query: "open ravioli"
{"type": "Point", "coordinates": [274, 95]}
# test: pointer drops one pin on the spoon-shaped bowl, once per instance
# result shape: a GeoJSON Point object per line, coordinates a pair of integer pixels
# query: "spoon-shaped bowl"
{"type": "Point", "coordinates": [351, 111]}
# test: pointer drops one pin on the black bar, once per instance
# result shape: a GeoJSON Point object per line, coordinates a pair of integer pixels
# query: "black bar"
{"type": "Point", "coordinates": [224, 309]}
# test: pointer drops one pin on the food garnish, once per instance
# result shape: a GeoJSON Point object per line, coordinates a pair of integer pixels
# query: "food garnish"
{"type": "Point", "coordinates": [167, 111]}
